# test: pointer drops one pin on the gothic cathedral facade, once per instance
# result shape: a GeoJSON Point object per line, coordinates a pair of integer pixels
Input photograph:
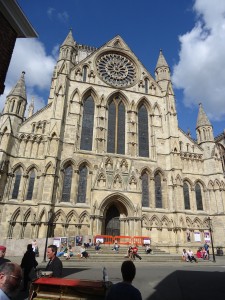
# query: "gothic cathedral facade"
{"type": "Point", "coordinates": [106, 155]}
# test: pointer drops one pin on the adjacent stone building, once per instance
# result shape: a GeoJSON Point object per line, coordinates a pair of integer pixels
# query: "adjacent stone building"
{"type": "Point", "coordinates": [106, 155]}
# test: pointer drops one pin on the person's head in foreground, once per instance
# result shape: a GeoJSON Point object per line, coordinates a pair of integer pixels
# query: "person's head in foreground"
{"type": "Point", "coordinates": [51, 251]}
{"type": "Point", "coordinates": [10, 278]}
{"type": "Point", "coordinates": [2, 251]}
{"type": "Point", "coordinates": [128, 271]}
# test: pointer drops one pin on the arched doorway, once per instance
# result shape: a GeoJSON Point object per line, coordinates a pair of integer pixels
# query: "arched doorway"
{"type": "Point", "coordinates": [112, 223]}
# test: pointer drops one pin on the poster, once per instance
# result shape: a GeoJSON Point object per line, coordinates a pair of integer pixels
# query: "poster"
{"type": "Point", "coordinates": [146, 242]}
{"type": "Point", "coordinates": [188, 236]}
{"type": "Point", "coordinates": [207, 237]}
{"type": "Point", "coordinates": [79, 240]}
{"type": "Point", "coordinates": [63, 240]}
{"type": "Point", "coordinates": [197, 237]}
{"type": "Point", "coordinates": [57, 242]}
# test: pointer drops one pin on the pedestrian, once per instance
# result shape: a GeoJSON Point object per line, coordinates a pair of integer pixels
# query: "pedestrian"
{"type": "Point", "coordinates": [54, 264]}
{"type": "Point", "coordinates": [190, 255]}
{"type": "Point", "coordinates": [125, 290]}
{"type": "Point", "coordinates": [27, 264]}
{"type": "Point", "coordinates": [206, 247]}
{"type": "Point", "coordinates": [135, 252]}
{"type": "Point", "coordinates": [2, 255]}
{"type": "Point", "coordinates": [10, 279]}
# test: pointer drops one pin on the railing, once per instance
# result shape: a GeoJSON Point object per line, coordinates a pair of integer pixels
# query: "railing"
{"type": "Point", "coordinates": [122, 240]}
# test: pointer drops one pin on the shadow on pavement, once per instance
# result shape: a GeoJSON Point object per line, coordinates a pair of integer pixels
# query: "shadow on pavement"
{"type": "Point", "coordinates": [191, 285]}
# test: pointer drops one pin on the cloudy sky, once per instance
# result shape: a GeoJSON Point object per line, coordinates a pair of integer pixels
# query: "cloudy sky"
{"type": "Point", "coordinates": [190, 32]}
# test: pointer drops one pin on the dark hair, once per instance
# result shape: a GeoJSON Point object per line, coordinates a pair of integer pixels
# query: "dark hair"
{"type": "Point", "coordinates": [29, 247]}
{"type": "Point", "coordinates": [7, 268]}
{"type": "Point", "coordinates": [54, 248]}
{"type": "Point", "coordinates": [128, 270]}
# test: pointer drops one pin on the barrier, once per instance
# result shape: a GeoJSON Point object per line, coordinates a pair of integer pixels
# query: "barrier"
{"type": "Point", "coordinates": [122, 240]}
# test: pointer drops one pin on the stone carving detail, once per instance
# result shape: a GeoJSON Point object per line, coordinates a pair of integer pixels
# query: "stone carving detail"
{"type": "Point", "coordinates": [116, 69]}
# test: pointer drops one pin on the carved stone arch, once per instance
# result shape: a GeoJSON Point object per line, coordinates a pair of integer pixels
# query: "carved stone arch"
{"type": "Point", "coordinates": [202, 184]}
{"type": "Point", "coordinates": [155, 222]}
{"type": "Point", "coordinates": [75, 94]}
{"type": "Point", "coordinates": [67, 162]}
{"type": "Point", "coordinates": [211, 185]}
{"type": "Point", "coordinates": [84, 215]}
{"type": "Point", "coordinates": [123, 203]}
{"type": "Point", "coordinates": [124, 164]}
{"type": "Point", "coordinates": [27, 214]}
{"type": "Point", "coordinates": [54, 135]}
{"type": "Point", "coordinates": [72, 216]}
{"type": "Point", "coordinates": [109, 163]}
{"type": "Point", "coordinates": [117, 181]}
{"type": "Point", "coordinates": [60, 90]}
{"type": "Point", "coordinates": [161, 172]}
{"type": "Point", "coordinates": [165, 221]}
{"type": "Point", "coordinates": [59, 217]}
{"type": "Point", "coordinates": [121, 95]}
{"type": "Point", "coordinates": [197, 223]}
{"type": "Point", "coordinates": [49, 168]}
{"type": "Point", "coordinates": [33, 167]}
{"type": "Point", "coordinates": [17, 215]}
{"type": "Point", "coordinates": [146, 170]}
{"type": "Point", "coordinates": [217, 185]}
{"type": "Point", "coordinates": [144, 101]}
{"type": "Point", "coordinates": [205, 223]}
{"type": "Point", "coordinates": [222, 185]}
{"type": "Point", "coordinates": [90, 92]}
{"type": "Point", "coordinates": [101, 180]}
{"type": "Point", "coordinates": [190, 183]}
{"type": "Point", "coordinates": [145, 221]}
{"type": "Point", "coordinates": [189, 222]}
{"type": "Point", "coordinates": [17, 166]}
{"type": "Point", "coordinates": [86, 163]}
{"type": "Point", "coordinates": [43, 215]}
{"type": "Point", "coordinates": [157, 110]}
{"type": "Point", "coordinates": [15, 222]}
{"type": "Point", "coordinates": [172, 223]}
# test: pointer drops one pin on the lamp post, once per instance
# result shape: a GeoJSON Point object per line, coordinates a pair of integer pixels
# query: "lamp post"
{"type": "Point", "coordinates": [50, 214]}
{"type": "Point", "coordinates": [211, 237]}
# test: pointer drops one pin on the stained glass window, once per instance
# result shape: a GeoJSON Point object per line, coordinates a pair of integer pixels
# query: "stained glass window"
{"type": "Point", "coordinates": [67, 184]}
{"type": "Point", "coordinates": [143, 132]}
{"type": "Point", "coordinates": [87, 124]}
{"type": "Point", "coordinates": [30, 185]}
{"type": "Point", "coordinates": [16, 184]}
{"type": "Point", "coordinates": [198, 195]}
{"type": "Point", "coordinates": [82, 187]}
{"type": "Point", "coordinates": [145, 189]}
{"type": "Point", "coordinates": [158, 191]}
{"type": "Point", "coordinates": [116, 127]}
{"type": "Point", "coordinates": [186, 196]}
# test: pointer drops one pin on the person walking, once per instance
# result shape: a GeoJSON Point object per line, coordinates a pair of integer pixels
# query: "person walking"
{"type": "Point", "coordinates": [135, 252]}
{"type": "Point", "coordinates": [27, 264]}
{"type": "Point", "coordinates": [10, 279]}
{"type": "Point", "coordinates": [55, 265]}
{"type": "Point", "coordinates": [125, 290]}
{"type": "Point", "coordinates": [2, 255]}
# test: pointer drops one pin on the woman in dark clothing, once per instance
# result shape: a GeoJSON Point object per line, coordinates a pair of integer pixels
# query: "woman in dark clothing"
{"type": "Point", "coordinates": [28, 262]}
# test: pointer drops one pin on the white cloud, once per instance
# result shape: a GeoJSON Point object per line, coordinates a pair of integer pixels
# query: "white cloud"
{"type": "Point", "coordinates": [63, 16]}
{"type": "Point", "coordinates": [200, 71]}
{"type": "Point", "coordinates": [30, 56]}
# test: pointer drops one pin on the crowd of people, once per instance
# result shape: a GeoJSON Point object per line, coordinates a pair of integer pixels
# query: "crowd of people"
{"type": "Point", "coordinates": [202, 253]}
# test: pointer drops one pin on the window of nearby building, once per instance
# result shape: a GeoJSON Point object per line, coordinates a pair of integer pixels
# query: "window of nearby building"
{"type": "Point", "coordinates": [16, 187]}
{"type": "Point", "coordinates": [186, 196]}
{"type": "Point", "coordinates": [143, 141]}
{"type": "Point", "coordinates": [82, 187]}
{"type": "Point", "coordinates": [30, 189]}
{"type": "Point", "coordinates": [198, 195]}
{"type": "Point", "coordinates": [146, 86]}
{"type": "Point", "coordinates": [116, 127]}
{"type": "Point", "coordinates": [85, 73]}
{"type": "Point", "coordinates": [87, 124]}
{"type": "Point", "coordinates": [158, 191]}
{"type": "Point", "coordinates": [145, 189]}
{"type": "Point", "coordinates": [67, 184]}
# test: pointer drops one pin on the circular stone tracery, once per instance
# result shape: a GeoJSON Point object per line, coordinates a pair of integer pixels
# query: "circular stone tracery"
{"type": "Point", "coordinates": [116, 69]}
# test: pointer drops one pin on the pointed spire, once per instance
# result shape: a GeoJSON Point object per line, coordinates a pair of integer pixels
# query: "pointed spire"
{"type": "Point", "coordinates": [202, 119]}
{"type": "Point", "coordinates": [20, 88]}
{"type": "Point", "coordinates": [69, 41]}
{"type": "Point", "coordinates": [31, 108]}
{"type": "Point", "coordinates": [161, 61]}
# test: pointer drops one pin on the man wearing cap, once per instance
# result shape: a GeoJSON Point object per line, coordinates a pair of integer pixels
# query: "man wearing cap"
{"type": "Point", "coordinates": [2, 255]}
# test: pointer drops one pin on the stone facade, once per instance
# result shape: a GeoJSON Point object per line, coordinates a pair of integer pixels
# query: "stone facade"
{"type": "Point", "coordinates": [106, 155]}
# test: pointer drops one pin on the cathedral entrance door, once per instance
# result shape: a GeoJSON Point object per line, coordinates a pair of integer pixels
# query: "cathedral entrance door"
{"type": "Point", "coordinates": [112, 223]}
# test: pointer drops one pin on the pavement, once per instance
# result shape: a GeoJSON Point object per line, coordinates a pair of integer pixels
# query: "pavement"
{"type": "Point", "coordinates": [156, 280]}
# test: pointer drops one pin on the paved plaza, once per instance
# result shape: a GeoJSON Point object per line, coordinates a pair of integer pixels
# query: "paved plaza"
{"type": "Point", "coordinates": [158, 281]}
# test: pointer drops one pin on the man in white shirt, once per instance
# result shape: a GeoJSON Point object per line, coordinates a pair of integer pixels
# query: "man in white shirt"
{"type": "Point", "coordinates": [191, 256]}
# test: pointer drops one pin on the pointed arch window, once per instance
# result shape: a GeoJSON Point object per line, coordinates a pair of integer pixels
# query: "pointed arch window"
{"type": "Point", "coordinates": [186, 196]}
{"type": "Point", "coordinates": [146, 86]}
{"type": "Point", "coordinates": [12, 107]}
{"type": "Point", "coordinates": [145, 189]}
{"type": "Point", "coordinates": [87, 124]}
{"type": "Point", "coordinates": [31, 180]}
{"type": "Point", "coordinates": [82, 187]}
{"type": "Point", "coordinates": [67, 181]}
{"type": "Point", "coordinates": [84, 73]}
{"type": "Point", "coordinates": [158, 191]}
{"type": "Point", "coordinates": [116, 127]}
{"type": "Point", "coordinates": [18, 175]}
{"type": "Point", "coordinates": [143, 134]}
{"type": "Point", "coordinates": [198, 195]}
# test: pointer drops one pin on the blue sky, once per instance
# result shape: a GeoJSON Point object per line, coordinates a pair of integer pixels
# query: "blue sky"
{"type": "Point", "coordinates": [191, 34]}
